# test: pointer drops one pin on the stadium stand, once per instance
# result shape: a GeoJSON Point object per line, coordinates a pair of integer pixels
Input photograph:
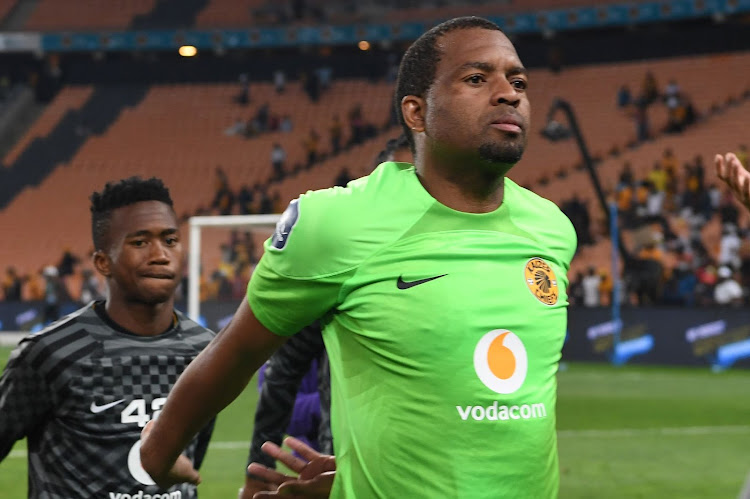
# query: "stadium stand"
{"type": "Point", "coordinates": [5, 7]}
{"type": "Point", "coordinates": [61, 144]}
{"type": "Point", "coordinates": [592, 91]}
{"type": "Point", "coordinates": [426, 12]}
{"type": "Point", "coordinates": [358, 160]}
{"type": "Point", "coordinates": [69, 99]}
{"type": "Point", "coordinates": [722, 132]}
{"type": "Point", "coordinates": [224, 13]}
{"type": "Point", "coordinates": [175, 132]}
{"type": "Point", "coordinates": [149, 14]}
{"type": "Point", "coordinates": [52, 15]}
{"type": "Point", "coordinates": [170, 14]}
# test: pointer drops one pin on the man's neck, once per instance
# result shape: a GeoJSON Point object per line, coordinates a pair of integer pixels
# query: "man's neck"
{"type": "Point", "coordinates": [471, 190]}
{"type": "Point", "coordinates": [139, 318]}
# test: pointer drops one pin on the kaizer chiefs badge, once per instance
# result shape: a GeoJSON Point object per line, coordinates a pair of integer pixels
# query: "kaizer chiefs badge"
{"type": "Point", "coordinates": [541, 281]}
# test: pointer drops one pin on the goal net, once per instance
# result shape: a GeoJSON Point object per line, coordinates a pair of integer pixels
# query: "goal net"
{"type": "Point", "coordinates": [202, 234]}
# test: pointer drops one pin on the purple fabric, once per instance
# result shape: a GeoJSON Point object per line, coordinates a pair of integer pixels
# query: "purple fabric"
{"type": "Point", "coordinates": [306, 414]}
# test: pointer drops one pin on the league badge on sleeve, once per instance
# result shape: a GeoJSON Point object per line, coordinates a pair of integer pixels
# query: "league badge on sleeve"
{"type": "Point", "coordinates": [285, 225]}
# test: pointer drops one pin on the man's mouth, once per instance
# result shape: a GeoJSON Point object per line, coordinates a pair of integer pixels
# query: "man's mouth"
{"type": "Point", "coordinates": [159, 276]}
{"type": "Point", "coordinates": [508, 123]}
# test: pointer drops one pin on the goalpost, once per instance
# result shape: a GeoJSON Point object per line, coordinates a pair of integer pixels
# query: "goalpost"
{"type": "Point", "coordinates": [194, 255]}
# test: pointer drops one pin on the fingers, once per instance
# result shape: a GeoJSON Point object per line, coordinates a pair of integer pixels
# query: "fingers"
{"type": "Point", "coordinates": [268, 474]}
{"type": "Point", "coordinates": [253, 486]}
{"type": "Point", "coordinates": [721, 167]}
{"type": "Point", "coordinates": [320, 486]}
{"type": "Point", "coordinates": [263, 495]}
{"type": "Point", "coordinates": [317, 488]}
{"type": "Point", "coordinates": [183, 471]}
{"type": "Point", "coordinates": [739, 178]}
{"type": "Point", "coordinates": [291, 461]}
{"type": "Point", "coordinates": [728, 167]}
{"type": "Point", "coordinates": [318, 466]}
{"type": "Point", "coordinates": [147, 429]}
{"type": "Point", "coordinates": [301, 448]}
{"type": "Point", "coordinates": [195, 478]}
{"type": "Point", "coordinates": [730, 170]}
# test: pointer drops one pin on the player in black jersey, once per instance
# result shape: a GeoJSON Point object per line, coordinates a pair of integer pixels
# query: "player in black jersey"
{"type": "Point", "coordinates": [82, 389]}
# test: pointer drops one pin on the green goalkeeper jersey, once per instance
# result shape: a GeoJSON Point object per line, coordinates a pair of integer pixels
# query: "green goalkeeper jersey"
{"type": "Point", "coordinates": [443, 330]}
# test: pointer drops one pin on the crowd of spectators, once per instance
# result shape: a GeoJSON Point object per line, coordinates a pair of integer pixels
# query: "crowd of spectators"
{"type": "Point", "coordinates": [228, 282]}
{"type": "Point", "coordinates": [680, 110]}
{"type": "Point", "coordinates": [70, 280]}
{"type": "Point", "coordinates": [262, 121]}
{"type": "Point", "coordinates": [247, 200]}
{"type": "Point", "coordinates": [671, 260]}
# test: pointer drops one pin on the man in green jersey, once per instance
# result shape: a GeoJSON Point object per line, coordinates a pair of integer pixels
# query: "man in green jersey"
{"type": "Point", "coordinates": [441, 288]}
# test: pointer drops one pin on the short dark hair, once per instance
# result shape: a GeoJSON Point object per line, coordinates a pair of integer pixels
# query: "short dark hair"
{"type": "Point", "coordinates": [122, 193]}
{"type": "Point", "coordinates": [419, 64]}
{"type": "Point", "coordinates": [393, 145]}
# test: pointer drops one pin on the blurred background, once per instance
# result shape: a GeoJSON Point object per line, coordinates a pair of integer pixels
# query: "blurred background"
{"type": "Point", "coordinates": [241, 105]}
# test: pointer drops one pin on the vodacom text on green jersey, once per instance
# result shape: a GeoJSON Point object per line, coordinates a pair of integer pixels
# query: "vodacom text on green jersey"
{"type": "Point", "coordinates": [497, 412]}
{"type": "Point", "coordinates": [501, 363]}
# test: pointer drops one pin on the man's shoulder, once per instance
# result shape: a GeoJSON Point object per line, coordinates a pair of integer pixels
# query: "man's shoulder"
{"type": "Point", "coordinates": [331, 230]}
{"type": "Point", "coordinates": [82, 319]}
{"type": "Point", "coordinates": [69, 337]}
{"type": "Point", "coordinates": [192, 329]}
{"type": "Point", "coordinates": [543, 218]}
{"type": "Point", "coordinates": [373, 192]}
{"type": "Point", "coordinates": [538, 209]}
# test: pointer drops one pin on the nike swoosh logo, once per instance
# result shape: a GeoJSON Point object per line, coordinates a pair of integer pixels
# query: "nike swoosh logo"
{"type": "Point", "coordinates": [96, 409]}
{"type": "Point", "coordinates": [401, 284]}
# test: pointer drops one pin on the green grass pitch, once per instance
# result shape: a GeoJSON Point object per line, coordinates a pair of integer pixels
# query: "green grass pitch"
{"type": "Point", "coordinates": [628, 432]}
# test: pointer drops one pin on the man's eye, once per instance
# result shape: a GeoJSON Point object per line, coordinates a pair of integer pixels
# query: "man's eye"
{"type": "Point", "coordinates": [520, 84]}
{"type": "Point", "coordinates": [172, 241]}
{"type": "Point", "coordinates": [475, 79]}
{"type": "Point", "coordinates": [138, 242]}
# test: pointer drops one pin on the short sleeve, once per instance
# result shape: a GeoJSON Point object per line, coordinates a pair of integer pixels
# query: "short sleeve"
{"type": "Point", "coordinates": [304, 266]}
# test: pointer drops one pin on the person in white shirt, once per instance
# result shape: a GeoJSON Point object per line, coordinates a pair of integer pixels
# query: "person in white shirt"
{"type": "Point", "coordinates": [729, 247]}
{"type": "Point", "coordinates": [727, 290]}
{"type": "Point", "coordinates": [591, 288]}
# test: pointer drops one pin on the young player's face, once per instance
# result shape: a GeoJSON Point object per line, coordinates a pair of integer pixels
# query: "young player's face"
{"type": "Point", "coordinates": [478, 102]}
{"type": "Point", "coordinates": [145, 252]}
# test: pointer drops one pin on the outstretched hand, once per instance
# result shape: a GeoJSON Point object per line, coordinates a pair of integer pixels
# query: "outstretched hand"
{"type": "Point", "coordinates": [182, 471]}
{"type": "Point", "coordinates": [730, 170]}
{"type": "Point", "coordinates": [318, 487]}
{"type": "Point", "coordinates": [316, 473]}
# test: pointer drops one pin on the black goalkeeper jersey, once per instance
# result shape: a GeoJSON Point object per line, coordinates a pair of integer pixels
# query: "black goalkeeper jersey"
{"type": "Point", "coordinates": [81, 391]}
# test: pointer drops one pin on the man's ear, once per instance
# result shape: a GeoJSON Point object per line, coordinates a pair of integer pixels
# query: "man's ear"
{"type": "Point", "coordinates": [102, 263]}
{"type": "Point", "coordinates": [413, 110]}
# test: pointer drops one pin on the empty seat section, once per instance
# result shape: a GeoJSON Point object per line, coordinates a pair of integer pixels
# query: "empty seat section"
{"type": "Point", "coordinates": [228, 13]}
{"type": "Point", "coordinates": [68, 99]}
{"type": "Point", "coordinates": [70, 15]}
{"type": "Point", "coordinates": [5, 7]}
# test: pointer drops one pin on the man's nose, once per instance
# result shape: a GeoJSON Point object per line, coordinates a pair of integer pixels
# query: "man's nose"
{"type": "Point", "coordinates": [505, 93]}
{"type": "Point", "coordinates": [159, 253]}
